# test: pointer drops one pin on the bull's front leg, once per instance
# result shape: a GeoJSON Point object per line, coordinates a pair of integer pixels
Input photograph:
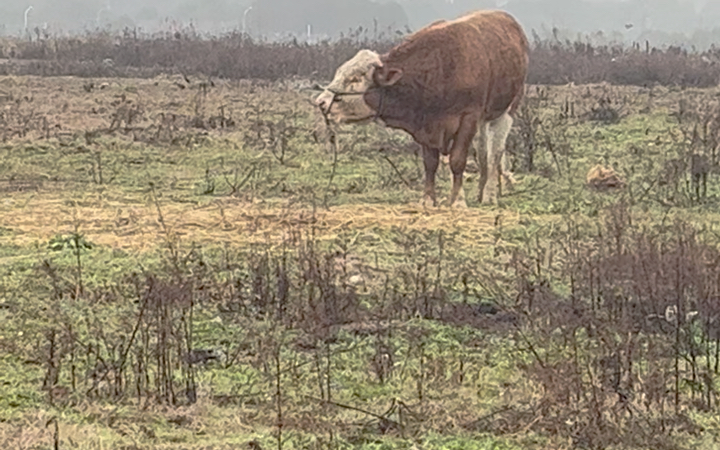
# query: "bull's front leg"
{"type": "Point", "coordinates": [482, 159]}
{"type": "Point", "coordinates": [458, 157]}
{"type": "Point", "coordinates": [431, 159]}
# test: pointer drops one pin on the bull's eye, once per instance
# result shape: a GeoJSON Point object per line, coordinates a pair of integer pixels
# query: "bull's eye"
{"type": "Point", "coordinates": [354, 80]}
{"type": "Point", "coordinates": [338, 99]}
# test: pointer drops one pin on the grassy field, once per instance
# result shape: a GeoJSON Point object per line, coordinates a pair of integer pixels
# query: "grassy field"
{"type": "Point", "coordinates": [190, 263]}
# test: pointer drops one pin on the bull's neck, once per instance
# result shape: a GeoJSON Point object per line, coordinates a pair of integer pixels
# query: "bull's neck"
{"type": "Point", "coordinates": [410, 120]}
{"type": "Point", "coordinates": [413, 127]}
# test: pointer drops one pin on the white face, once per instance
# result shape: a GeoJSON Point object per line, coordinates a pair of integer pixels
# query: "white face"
{"type": "Point", "coordinates": [354, 76]}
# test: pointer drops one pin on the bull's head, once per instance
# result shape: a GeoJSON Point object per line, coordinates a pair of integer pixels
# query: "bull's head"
{"type": "Point", "coordinates": [342, 100]}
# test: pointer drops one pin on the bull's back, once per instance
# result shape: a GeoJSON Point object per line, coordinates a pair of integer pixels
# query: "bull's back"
{"type": "Point", "coordinates": [506, 48]}
{"type": "Point", "coordinates": [494, 60]}
{"type": "Point", "coordinates": [479, 61]}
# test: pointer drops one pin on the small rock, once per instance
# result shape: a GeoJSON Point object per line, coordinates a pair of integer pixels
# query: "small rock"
{"type": "Point", "coordinates": [602, 179]}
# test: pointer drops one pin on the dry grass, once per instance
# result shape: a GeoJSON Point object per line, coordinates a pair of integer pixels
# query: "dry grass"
{"type": "Point", "coordinates": [37, 217]}
{"type": "Point", "coordinates": [71, 105]}
{"type": "Point", "coordinates": [244, 263]}
{"type": "Point", "coordinates": [37, 208]}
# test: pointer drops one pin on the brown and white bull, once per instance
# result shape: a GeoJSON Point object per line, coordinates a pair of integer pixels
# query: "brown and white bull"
{"type": "Point", "coordinates": [440, 85]}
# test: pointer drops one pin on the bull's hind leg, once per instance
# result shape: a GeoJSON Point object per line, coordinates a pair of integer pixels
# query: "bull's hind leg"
{"type": "Point", "coordinates": [458, 157]}
{"type": "Point", "coordinates": [498, 131]}
{"type": "Point", "coordinates": [507, 175]}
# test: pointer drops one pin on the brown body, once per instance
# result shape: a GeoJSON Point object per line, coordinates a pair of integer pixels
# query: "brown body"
{"type": "Point", "coordinates": [443, 82]}
{"type": "Point", "coordinates": [474, 64]}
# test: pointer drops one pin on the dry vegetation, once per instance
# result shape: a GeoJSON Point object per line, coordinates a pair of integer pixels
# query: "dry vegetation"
{"type": "Point", "coordinates": [186, 261]}
{"type": "Point", "coordinates": [237, 56]}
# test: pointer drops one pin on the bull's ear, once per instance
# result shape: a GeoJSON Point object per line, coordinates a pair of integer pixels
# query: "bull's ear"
{"type": "Point", "coordinates": [386, 76]}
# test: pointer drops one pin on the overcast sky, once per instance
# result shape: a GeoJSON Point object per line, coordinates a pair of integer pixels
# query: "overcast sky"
{"type": "Point", "coordinates": [622, 19]}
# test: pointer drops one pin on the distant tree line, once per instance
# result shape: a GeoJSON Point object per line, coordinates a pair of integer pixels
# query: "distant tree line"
{"type": "Point", "coordinates": [661, 21]}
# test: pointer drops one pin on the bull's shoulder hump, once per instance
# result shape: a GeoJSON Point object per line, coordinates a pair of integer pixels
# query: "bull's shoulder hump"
{"type": "Point", "coordinates": [437, 23]}
{"type": "Point", "coordinates": [497, 22]}
{"type": "Point", "coordinates": [487, 14]}
{"type": "Point", "coordinates": [483, 21]}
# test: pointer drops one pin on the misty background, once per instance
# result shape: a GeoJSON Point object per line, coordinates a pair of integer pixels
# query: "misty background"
{"type": "Point", "coordinates": [689, 23]}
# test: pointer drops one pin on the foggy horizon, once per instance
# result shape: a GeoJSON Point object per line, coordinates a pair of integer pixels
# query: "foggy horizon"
{"type": "Point", "coordinates": [663, 22]}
